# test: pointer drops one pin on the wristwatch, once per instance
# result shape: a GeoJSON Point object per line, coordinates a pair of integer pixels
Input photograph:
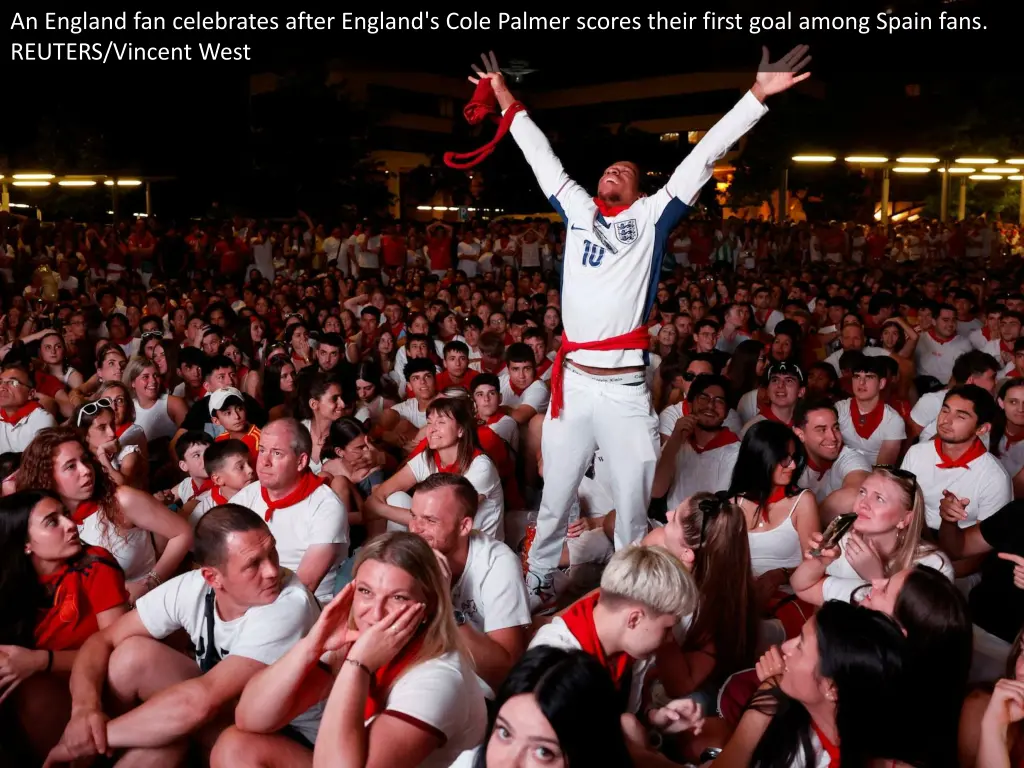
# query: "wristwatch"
{"type": "Point", "coordinates": [460, 618]}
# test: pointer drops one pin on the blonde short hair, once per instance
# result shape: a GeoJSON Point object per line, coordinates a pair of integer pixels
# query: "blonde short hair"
{"type": "Point", "coordinates": [652, 577]}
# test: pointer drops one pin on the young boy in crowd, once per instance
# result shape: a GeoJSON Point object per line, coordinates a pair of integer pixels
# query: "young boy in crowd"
{"type": "Point", "coordinates": [192, 446]}
{"type": "Point", "coordinates": [229, 469]}
{"type": "Point", "coordinates": [227, 410]}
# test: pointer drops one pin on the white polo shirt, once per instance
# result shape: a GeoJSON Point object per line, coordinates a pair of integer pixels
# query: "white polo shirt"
{"type": "Point", "coordinates": [264, 633]}
{"type": "Point", "coordinates": [983, 482]}
{"type": "Point", "coordinates": [705, 471]}
{"type": "Point", "coordinates": [822, 485]}
{"type": "Point", "coordinates": [890, 428]}
{"type": "Point", "coordinates": [490, 515]}
{"type": "Point", "coordinates": [537, 395]}
{"type": "Point", "coordinates": [14, 438]}
{"type": "Point", "coordinates": [936, 358]}
{"type": "Point", "coordinates": [443, 698]}
{"type": "Point", "coordinates": [667, 418]}
{"type": "Point", "coordinates": [320, 518]}
{"type": "Point", "coordinates": [491, 591]}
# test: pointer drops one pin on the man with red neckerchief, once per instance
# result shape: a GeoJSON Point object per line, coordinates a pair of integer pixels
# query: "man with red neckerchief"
{"type": "Point", "coordinates": [955, 469]}
{"type": "Point", "coordinates": [938, 349]}
{"type": "Point", "coordinates": [868, 424]}
{"type": "Point", "coordinates": [785, 390]}
{"type": "Point", "coordinates": [701, 452]}
{"type": "Point", "coordinates": [308, 520]}
{"type": "Point", "coordinates": [614, 248]}
{"type": "Point", "coordinates": [21, 417]}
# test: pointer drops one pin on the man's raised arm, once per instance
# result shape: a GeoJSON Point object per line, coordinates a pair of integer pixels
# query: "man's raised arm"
{"type": "Point", "coordinates": [554, 182]}
{"type": "Point", "coordinates": [699, 166]}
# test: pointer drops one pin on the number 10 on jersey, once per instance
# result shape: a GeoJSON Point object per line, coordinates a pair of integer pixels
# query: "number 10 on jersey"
{"type": "Point", "coordinates": [593, 255]}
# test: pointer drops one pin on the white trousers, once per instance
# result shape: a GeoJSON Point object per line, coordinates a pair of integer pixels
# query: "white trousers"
{"type": "Point", "coordinates": [610, 413]}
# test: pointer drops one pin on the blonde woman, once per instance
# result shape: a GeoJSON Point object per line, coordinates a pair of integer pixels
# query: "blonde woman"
{"type": "Point", "coordinates": [885, 539]}
{"type": "Point", "coordinates": [158, 413]}
{"type": "Point", "coordinates": [400, 686]}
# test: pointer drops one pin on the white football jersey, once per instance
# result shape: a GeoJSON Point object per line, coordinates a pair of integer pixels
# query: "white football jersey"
{"type": "Point", "coordinates": [612, 266]}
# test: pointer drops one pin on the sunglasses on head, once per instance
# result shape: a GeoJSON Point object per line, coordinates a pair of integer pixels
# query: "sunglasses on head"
{"type": "Point", "coordinates": [90, 409]}
{"type": "Point", "coordinates": [902, 474]}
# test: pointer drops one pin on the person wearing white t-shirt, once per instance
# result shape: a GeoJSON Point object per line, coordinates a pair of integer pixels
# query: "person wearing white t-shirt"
{"type": "Point", "coordinates": [525, 399]}
{"type": "Point", "coordinates": [834, 471]}
{"type": "Point", "coordinates": [404, 423]}
{"type": "Point", "coordinates": [885, 539]}
{"type": "Point", "coordinates": [383, 657]}
{"type": "Point", "coordinates": [867, 423]}
{"type": "Point", "coordinates": [955, 469]}
{"type": "Point", "coordinates": [645, 592]}
{"type": "Point", "coordinates": [698, 364]}
{"type": "Point", "coordinates": [452, 446]}
{"type": "Point", "coordinates": [974, 367]}
{"type": "Point", "coordinates": [22, 418]}
{"type": "Point", "coordinates": [306, 517]}
{"type": "Point", "coordinates": [486, 391]}
{"type": "Point", "coordinates": [852, 338]}
{"type": "Point", "coordinates": [242, 612]}
{"type": "Point", "coordinates": [701, 452]}
{"type": "Point", "coordinates": [469, 254]}
{"type": "Point", "coordinates": [938, 349]}
{"type": "Point", "coordinates": [492, 608]}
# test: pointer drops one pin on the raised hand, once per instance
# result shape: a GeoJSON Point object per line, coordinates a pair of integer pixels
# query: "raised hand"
{"type": "Point", "coordinates": [678, 716]}
{"type": "Point", "coordinates": [331, 631]}
{"type": "Point", "coordinates": [492, 72]}
{"type": "Point", "coordinates": [781, 75]}
{"type": "Point", "coordinates": [380, 643]}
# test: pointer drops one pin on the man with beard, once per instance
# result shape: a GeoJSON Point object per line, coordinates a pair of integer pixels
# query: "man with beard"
{"type": "Point", "coordinates": [701, 453]}
{"type": "Point", "coordinates": [834, 470]}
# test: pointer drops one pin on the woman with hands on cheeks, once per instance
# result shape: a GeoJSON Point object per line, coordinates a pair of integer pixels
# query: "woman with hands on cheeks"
{"type": "Point", "coordinates": [884, 539]}
{"type": "Point", "coordinates": [385, 654]}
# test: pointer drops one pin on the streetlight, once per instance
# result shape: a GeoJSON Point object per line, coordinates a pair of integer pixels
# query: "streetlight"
{"type": "Point", "coordinates": [917, 160]}
{"type": "Point", "coordinates": [813, 159]}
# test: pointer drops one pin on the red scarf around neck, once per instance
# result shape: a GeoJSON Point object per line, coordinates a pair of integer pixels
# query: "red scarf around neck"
{"type": "Point", "coordinates": [517, 390]}
{"type": "Point", "coordinates": [768, 413]}
{"type": "Point", "coordinates": [607, 209]}
{"type": "Point", "coordinates": [827, 745]}
{"type": "Point", "coordinates": [579, 619]}
{"type": "Point", "coordinates": [217, 496]}
{"type": "Point", "coordinates": [197, 489]}
{"type": "Point", "coordinates": [931, 332]}
{"type": "Point", "coordinates": [542, 368]}
{"type": "Point", "coordinates": [977, 449]}
{"type": "Point", "coordinates": [778, 494]}
{"type": "Point", "coordinates": [85, 510]}
{"type": "Point", "coordinates": [820, 469]}
{"type": "Point", "coordinates": [723, 437]}
{"type": "Point", "coordinates": [866, 423]}
{"type": "Point", "coordinates": [384, 678]}
{"type": "Point", "coordinates": [638, 338]}
{"type": "Point", "coordinates": [21, 413]}
{"type": "Point", "coordinates": [453, 468]}
{"type": "Point", "coordinates": [1013, 440]}
{"type": "Point", "coordinates": [308, 483]}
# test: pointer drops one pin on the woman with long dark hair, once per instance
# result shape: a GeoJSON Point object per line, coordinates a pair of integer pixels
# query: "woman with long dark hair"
{"type": "Point", "coordinates": [708, 534]}
{"type": "Point", "coordinates": [536, 718]}
{"type": "Point", "coordinates": [781, 517]}
{"type": "Point", "coordinates": [55, 593]}
{"type": "Point", "coordinates": [834, 696]}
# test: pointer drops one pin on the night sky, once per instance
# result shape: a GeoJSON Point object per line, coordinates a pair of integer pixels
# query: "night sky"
{"type": "Point", "coordinates": [192, 119]}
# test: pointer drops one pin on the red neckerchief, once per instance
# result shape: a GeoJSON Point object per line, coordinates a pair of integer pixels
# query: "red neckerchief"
{"type": "Point", "coordinates": [21, 413]}
{"type": "Point", "coordinates": [866, 423]}
{"type": "Point", "coordinates": [453, 468]}
{"type": "Point", "coordinates": [977, 449]}
{"type": "Point", "coordinates": [1011, 440]}
{"type": "Point", "coordinates": [397, 329]}
{"type": "Point", "coordinates": [931, 332]}
{"type": "Point", "coordinates": [217, 496]}
{"type": "Point", "coordinates": [685, 407]}
{"type": "Point", "coordinates": [85, 510]}
{"type": "Point", "coordinates": [494, 418]}
{"type": "Point", "coordinates": [197, 489]}
{"type": "Point", "coordinates": [778, 494]}
{"type": "Point", "coordinates": [579, 620]}
{"type": "Point", "coordinates": [483, 104]}
{"type": "Point", "coordinates": [768, 413]}
{"type": "Point", "coordinates": [986, 333]}
{"type": "Point", "coordinates": [638, 338]}
{"type": "Point", "coordinates": [385, 677]}
{"type": "Point", "coordinates": [1005, 347]}
{"type": "Point", "coordinates": [1014, 374]}
{"type": "Point", "coordinates": [723, 437]}
{"type": "Point", "coordinates": [307, 484]}
{"type": "Point", "coordinates": [543, 367]}
{"type": "Point", "coordinates": [607, 209]}
{"type": "Point", "coordinates": [123, 428]}
{"type": "Point", "coordinates": [515, 389]}
{"type": "Point", "coordinates": [821, 470]}
{"type": "Point", "coordinates": [828, 746]}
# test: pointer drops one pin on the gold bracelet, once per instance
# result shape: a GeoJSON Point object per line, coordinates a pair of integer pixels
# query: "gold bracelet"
{"type": "Point", "coordinates": [357, 663]}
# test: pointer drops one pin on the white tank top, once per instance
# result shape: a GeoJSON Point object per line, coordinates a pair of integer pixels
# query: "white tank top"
{"type": "Point", "coordinates": [133, 549]}
{"type": "Point", "coordinates": [777, 548]}
{"type": "Point", "coordinates": [314, 466]}
{"type": "Point", "coordinates": [155, 421]}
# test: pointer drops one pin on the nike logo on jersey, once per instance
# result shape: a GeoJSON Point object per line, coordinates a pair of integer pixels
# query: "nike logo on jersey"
{"type": "Point", "coordinates": [581, 229]}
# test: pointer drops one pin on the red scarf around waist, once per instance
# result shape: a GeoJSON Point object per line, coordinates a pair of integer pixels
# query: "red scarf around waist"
{"type": "Point", "coordinates": [638, 338]}
{"type": "Point", "coordinates": [384, 678]}
{"type": "Point", "coordinates": [579, 618]}
{"type": "Point", "coordinates": [307, 485]}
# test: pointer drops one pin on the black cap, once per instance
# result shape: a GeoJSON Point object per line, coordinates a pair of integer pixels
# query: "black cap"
{"type": "Point", "coordinates": [786, 369]}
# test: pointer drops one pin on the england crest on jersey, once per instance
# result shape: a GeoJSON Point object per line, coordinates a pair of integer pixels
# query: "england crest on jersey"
{"type": "Point", "coordinates": [626, 231]}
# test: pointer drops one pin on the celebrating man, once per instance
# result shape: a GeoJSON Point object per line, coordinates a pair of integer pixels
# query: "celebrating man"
{"type": "Point", "coordinates": [613, 255]}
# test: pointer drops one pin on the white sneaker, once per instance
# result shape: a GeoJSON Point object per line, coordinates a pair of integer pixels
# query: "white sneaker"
{"type": "Point", "coordinates": [541, 592]}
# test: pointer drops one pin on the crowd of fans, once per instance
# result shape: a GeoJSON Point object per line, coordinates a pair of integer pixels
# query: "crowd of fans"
{"type": "Point", "coordinates": [269, 491]}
